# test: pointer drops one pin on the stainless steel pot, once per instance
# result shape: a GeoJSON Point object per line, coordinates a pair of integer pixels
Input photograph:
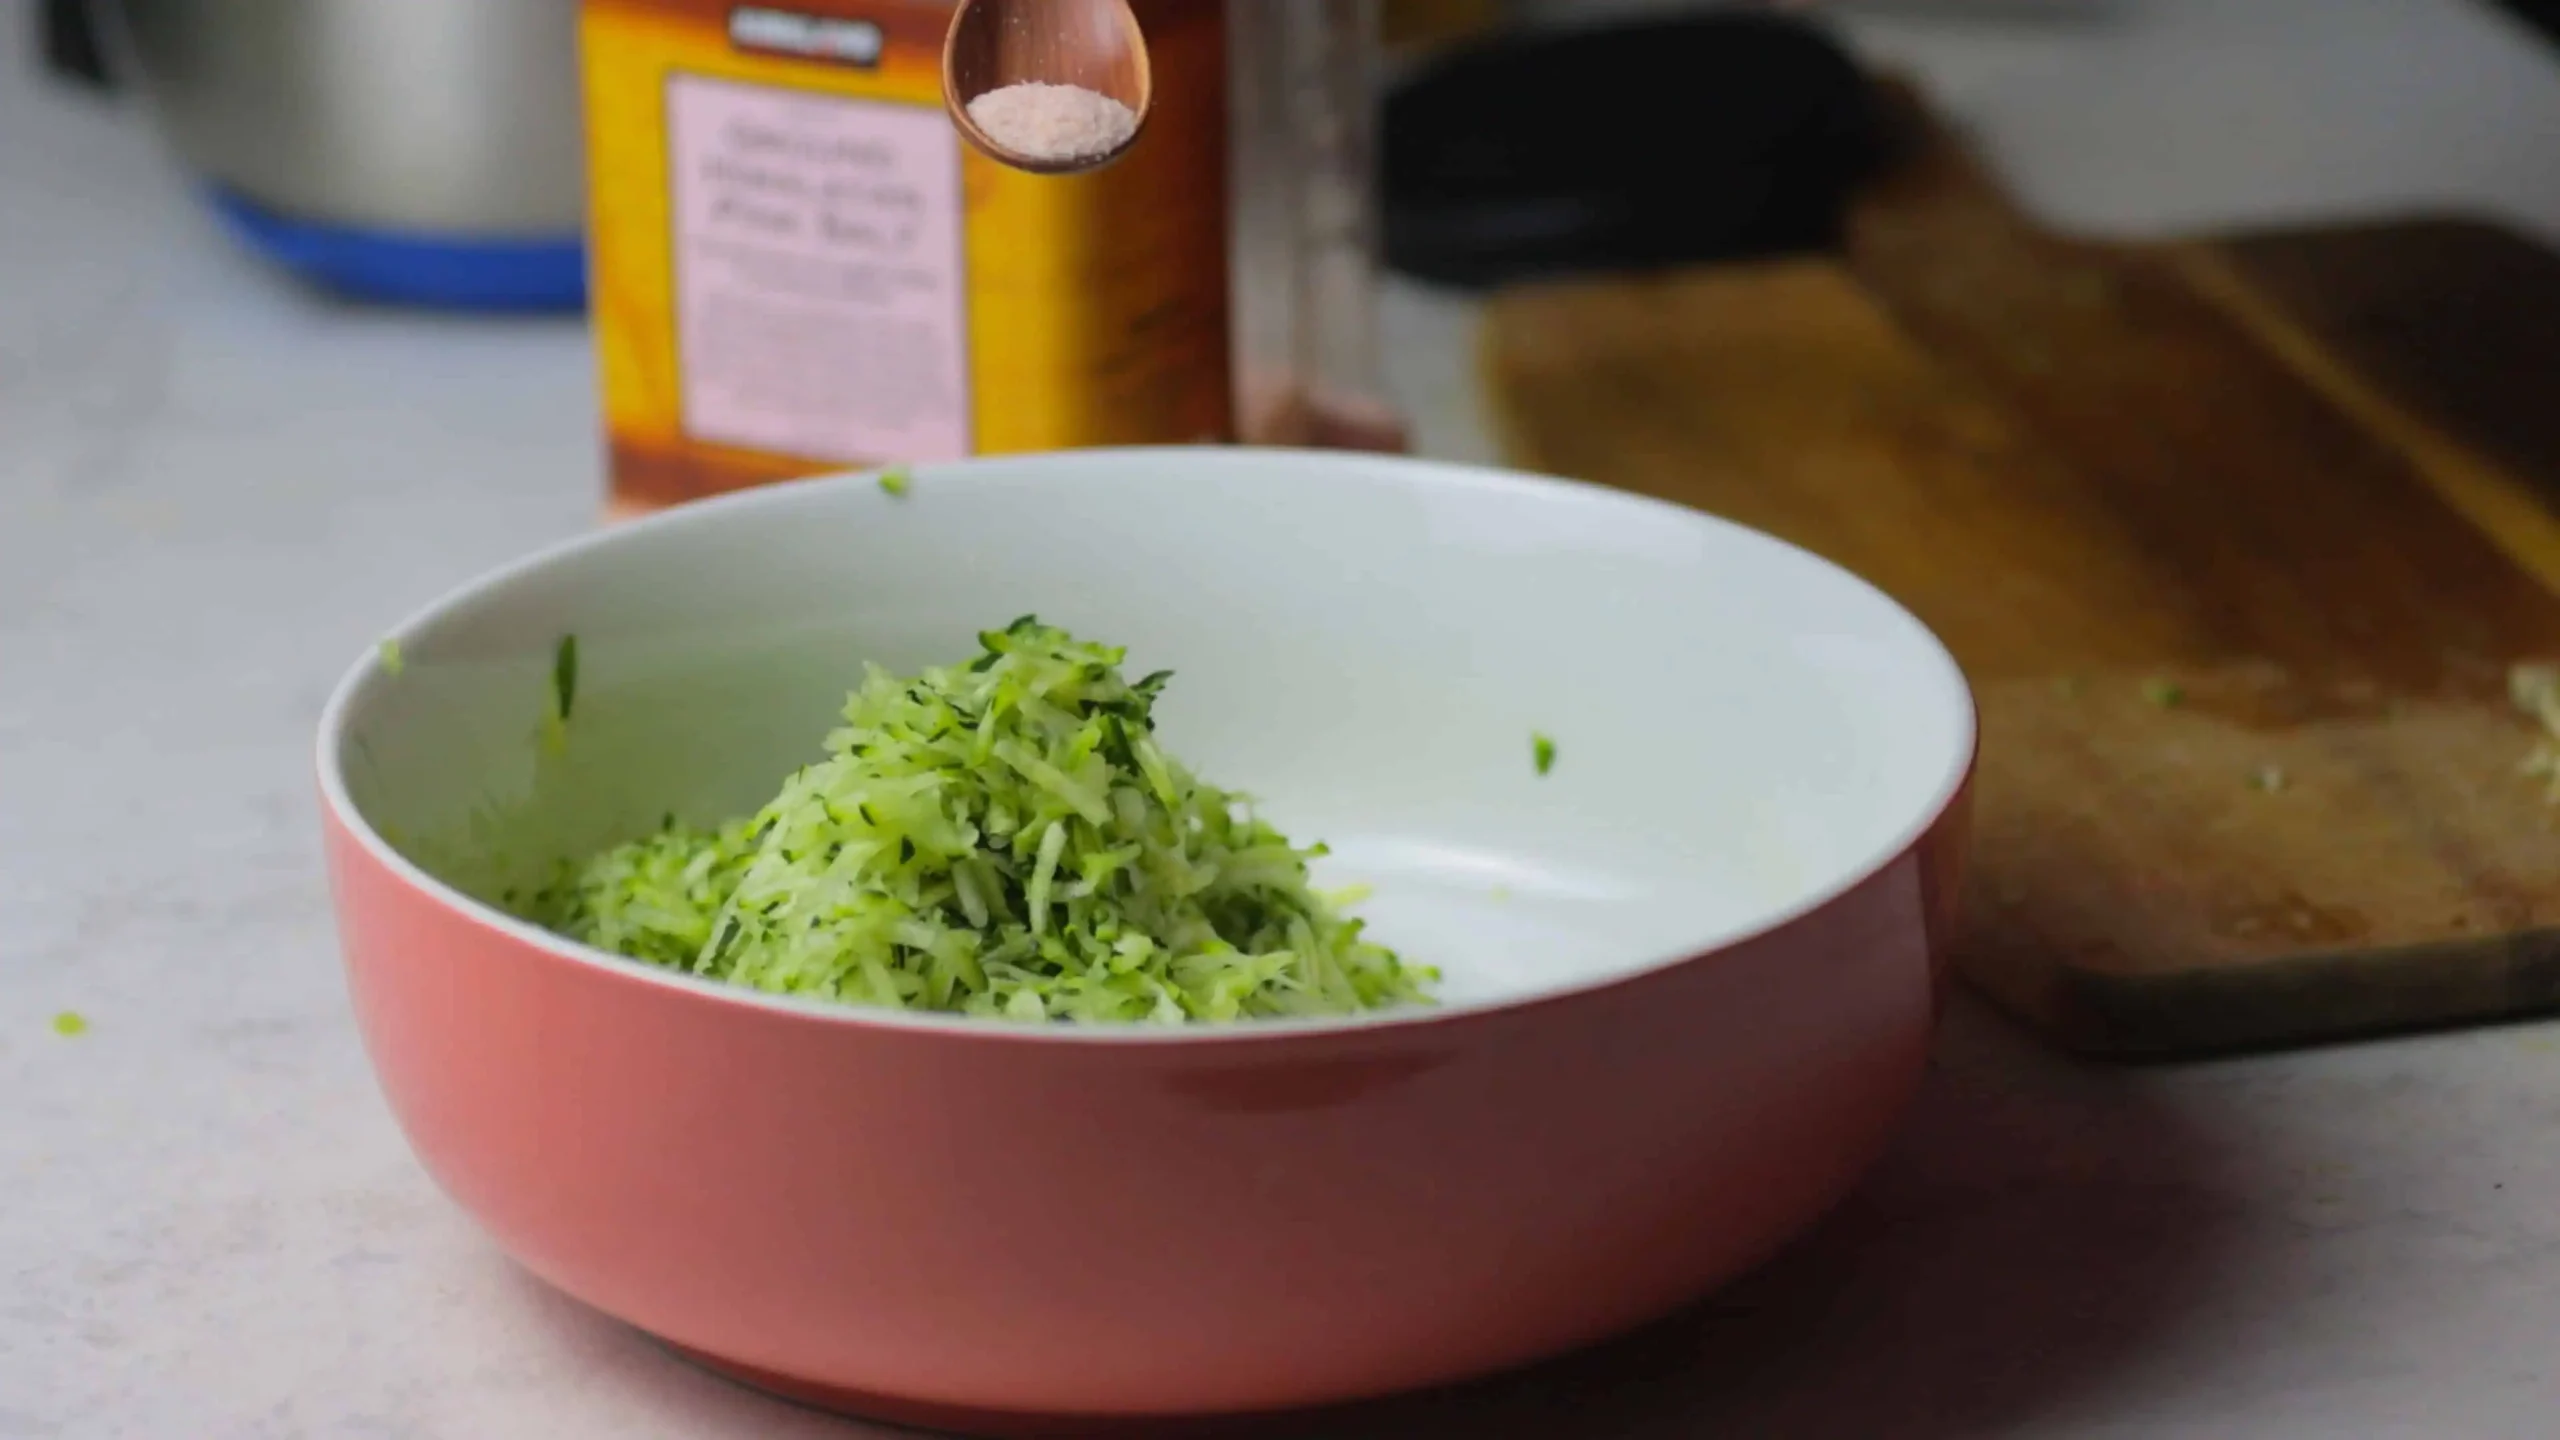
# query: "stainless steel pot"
{"type": "Point", "coordinates": [442, 117]}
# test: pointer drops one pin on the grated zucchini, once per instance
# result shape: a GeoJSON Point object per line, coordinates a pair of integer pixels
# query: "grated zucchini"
{"type": "Point", "coordinates": [1005, 838]}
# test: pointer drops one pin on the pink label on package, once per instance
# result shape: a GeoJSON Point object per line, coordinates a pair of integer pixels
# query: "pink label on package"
{"type": "Point", "coordinates": [819, 306]}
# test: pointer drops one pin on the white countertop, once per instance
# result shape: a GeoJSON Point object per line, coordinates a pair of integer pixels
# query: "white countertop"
{"type": "Point", "coordinates": [214, 489]}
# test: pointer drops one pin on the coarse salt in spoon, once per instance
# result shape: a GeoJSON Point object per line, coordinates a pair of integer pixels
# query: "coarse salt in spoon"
{"type": "Point", "coordinates": [1050, 86]}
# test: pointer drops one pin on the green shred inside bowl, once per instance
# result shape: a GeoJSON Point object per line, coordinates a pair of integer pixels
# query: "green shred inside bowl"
{"type": "Point", "coordinates": [1002, 837]}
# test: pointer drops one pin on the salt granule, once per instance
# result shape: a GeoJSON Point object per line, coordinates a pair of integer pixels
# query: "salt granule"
{"type": "Point", "coordinates": [1053, 122]}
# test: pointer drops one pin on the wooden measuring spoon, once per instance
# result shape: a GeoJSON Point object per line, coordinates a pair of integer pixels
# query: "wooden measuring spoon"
{"type": "Point", "coordinates": [1093, 44]}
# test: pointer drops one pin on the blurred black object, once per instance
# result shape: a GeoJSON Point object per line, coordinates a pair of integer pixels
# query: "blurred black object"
{"type": "Point", "coordinates": [2543, 15]}
{"type": "Point", "coordinates": [1626, 147]}
{"type": "Point", "coordinates": [67, 37]}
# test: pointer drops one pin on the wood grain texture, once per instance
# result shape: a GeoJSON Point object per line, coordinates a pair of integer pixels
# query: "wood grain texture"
{"type": "Point", "coordinates": [2256, 469]}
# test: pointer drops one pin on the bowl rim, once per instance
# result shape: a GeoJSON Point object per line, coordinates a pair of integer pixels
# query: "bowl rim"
{"type": "Point", "coordinates": [339, 808]}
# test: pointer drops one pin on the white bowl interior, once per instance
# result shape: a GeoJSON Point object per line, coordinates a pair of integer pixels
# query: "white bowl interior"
{"type": "Point", "coordinates": [1366, 645]}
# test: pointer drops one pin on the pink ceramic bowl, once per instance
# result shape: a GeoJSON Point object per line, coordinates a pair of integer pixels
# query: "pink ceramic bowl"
{"type": "Point", "coordinates": [1691, 972]}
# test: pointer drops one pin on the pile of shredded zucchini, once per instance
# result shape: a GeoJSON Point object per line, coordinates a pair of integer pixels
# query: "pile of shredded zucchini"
{"type": "Point", "coordinates": [1004, 838]}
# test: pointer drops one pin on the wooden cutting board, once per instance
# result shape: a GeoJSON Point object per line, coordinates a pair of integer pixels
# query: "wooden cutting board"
{"type": "Point", "coordinates": [2236, 537]}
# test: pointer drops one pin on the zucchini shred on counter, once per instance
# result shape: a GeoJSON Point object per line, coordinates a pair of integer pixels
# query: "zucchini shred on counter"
{"type": "Point", "coordinates": [1002, 838]}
